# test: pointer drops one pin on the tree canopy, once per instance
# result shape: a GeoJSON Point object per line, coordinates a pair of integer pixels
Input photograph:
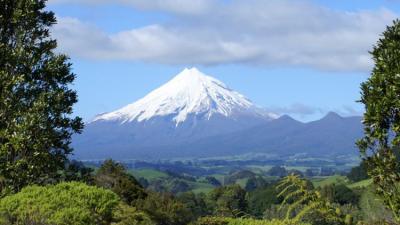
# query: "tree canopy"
{"type": "Point", "coordinates": [381, 96]}
{"type": "Point", "coordinates": [35, 96]}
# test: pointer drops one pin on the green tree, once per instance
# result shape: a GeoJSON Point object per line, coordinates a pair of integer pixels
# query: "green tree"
{"type": "Point", "coordinates": [164, 209]}
{"type": "Point", "coordinates": [35, 96]}
{"type": "Point", "coordinates": [278, 171]}
{"type": "Point", "coordinates": [261, 199]}
{"type": "Point", "coordinates": [228, 201]}
{"type": "Point", "coordinates": [195, 203]}
{"type": "Point", "coordinates": [358, 173]}
{"type": "Point", "coordinates": [64, 203]}
{"type": "Point", "coordinates": [76, 171]}
{"type": "Point", "coordinates": [380, 95]}
{"type": "Point", "coordinates": [113, 176]}
{"type": "Point", "coordinates": [339, 193]}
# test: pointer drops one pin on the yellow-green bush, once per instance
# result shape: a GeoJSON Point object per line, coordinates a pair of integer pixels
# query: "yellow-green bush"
{"type": "Point", "coordinates": [242, 221]}
{"type": "Point", "coordinates": [68, 203]}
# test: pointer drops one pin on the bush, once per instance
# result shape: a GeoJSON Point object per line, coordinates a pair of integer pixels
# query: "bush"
{"type": "Point", "coordinates": [65, 203]}
{"type": "Point", "coordinates": [241, 221]}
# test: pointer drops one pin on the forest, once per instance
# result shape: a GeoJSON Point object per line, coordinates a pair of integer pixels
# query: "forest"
{"type": "Point", "coordinates": [41, 185]}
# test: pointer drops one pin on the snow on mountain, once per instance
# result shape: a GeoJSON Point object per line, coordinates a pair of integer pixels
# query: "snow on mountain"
{"type": "Point", "coordinates": [189, 93]}
{"type": "Point", "coordinates": [195, 115]}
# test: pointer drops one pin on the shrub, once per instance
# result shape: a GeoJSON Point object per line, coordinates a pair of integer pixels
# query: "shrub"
{"type": "Point", "coordinates": [242, 221]}
{"type": "Point", "coordinates": [65, 203]}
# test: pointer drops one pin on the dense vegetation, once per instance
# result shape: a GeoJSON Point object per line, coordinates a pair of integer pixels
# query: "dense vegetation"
{"type": "Point", "coordinates": [380, 95]}
{"type": "Point", "coordinates": [39, 185]}
{"type": "Point", "coordinates": [123, 200]}
{"type": "Point", "coordinates": [35, 99]}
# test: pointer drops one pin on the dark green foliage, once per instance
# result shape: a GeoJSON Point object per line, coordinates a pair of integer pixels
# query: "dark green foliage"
{"type": "Point", "coordinates": [358, 173]}
{"type": "Point", "coordinates": [213, 181]}
{"type": "Point", "coordinates": [251, 184]}
{"type": "Point", "coordinates": [261, 199]}
{"type": "Point", "coordinates": [254, 183]}
{"type": "Point", "coordinates": [380, 95]}
{"type": "Point", "coordinates": [35, 99]}
{"type": "Point", "coordinates": [164, 209]}
{"type": "Point", "coordinates": [242, 174]}
{"type": "Point", "coordinates": [77, 171]}
{"type": "Point", "coordinates": [278, 171]}
{"type": "Point", "coordinates": [143, 181]}
{"type": "Point", "coordinates": [179, 186]}
{"type": "Point", "coordinates": [65, 203]}
{"type": "Point", "coordinates": [228, 201]}
{"type": "Point", "coordinates": [195, 203]}
{"type": "Point", "coordinates": [113, 176]}
{"type": "Point", "coordinates": [339, 193]}
{"type": "Point", "coordinates": [169, 184]}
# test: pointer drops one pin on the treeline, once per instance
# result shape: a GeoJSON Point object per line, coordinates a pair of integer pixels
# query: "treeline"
{"type": "Point", "coordinates": [113, 196]}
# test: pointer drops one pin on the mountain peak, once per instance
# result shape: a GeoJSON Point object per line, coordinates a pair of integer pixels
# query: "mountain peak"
{"type": "Point", "coordinates": [191, 92]}
{"type": "Point", "coordinates": [331, 116]}
{"type": "Point", "coordinates": [192, 77]}
{"type": "Point", "coordinates": [193, 71]}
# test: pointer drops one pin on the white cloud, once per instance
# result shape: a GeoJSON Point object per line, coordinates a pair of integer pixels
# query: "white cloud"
{"type": "Point", "coordinates": [267, 33]}
{"type": "Point", "coordinates": [174, 6]}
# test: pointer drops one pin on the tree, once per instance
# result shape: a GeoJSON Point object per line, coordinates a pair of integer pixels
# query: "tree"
{"type": "Point", "coordinates": [77, 171]}
{"type": "Point", "coordinates": [261, 199]}
{"type": "Point", "coordinates": [113, 176]}
{"type": "Point", "coordinates": [196, 203]}
{"type": "Point", "coordinates": [229, 201]}
{"type": "Point", "coordinates": [64, 203]}
{"type": "Point", "coordinates": [35, 98]}
{"type": "Point", "coordinates": [380, 95]}
{"type": "Point", "coordinates": [164, 209]}
{"type": "Point", "coordinates": [358, 173]}
{"type": "Point", "coordinates": [339, 193]}
{"type": "Point", "coordinates": [278, 171]}
{"type": "Point", "coordinates": [213, 181]}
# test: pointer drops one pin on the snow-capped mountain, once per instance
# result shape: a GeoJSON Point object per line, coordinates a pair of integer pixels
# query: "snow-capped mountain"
{"type": "Point", "coordinates": [195, 115]}
{"type": "Point", "coordinates": [189, 93]}
{"type": "Point", "coordinates": [189, 107]}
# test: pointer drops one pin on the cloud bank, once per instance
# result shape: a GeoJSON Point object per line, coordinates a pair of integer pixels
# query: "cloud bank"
{"type": "Point", "coordinates": [256, 32]}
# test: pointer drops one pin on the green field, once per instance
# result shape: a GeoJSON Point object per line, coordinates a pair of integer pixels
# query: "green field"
{"type": "Point", "coordinates": [322, 181]}
{"type": "Point", "coordinates": [360, 184]}
{"type": "Point", "coordinates": [149, 174]}
{"type": "Point", "coordinates": [199, 187]}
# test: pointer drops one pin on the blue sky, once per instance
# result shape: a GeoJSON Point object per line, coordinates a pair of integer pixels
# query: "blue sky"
{"type": "Point", "coordinates": [302, 58]}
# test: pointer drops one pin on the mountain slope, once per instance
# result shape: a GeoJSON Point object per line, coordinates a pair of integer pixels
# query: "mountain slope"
{"type": "Point", "coordinates": [195, 115]}
{"type": "Point", "coordinates": [190, 107]}
{"type": "Point", "coordinates": [330, 136]}
{"type": "Point", "coordinates": [189, 93]}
